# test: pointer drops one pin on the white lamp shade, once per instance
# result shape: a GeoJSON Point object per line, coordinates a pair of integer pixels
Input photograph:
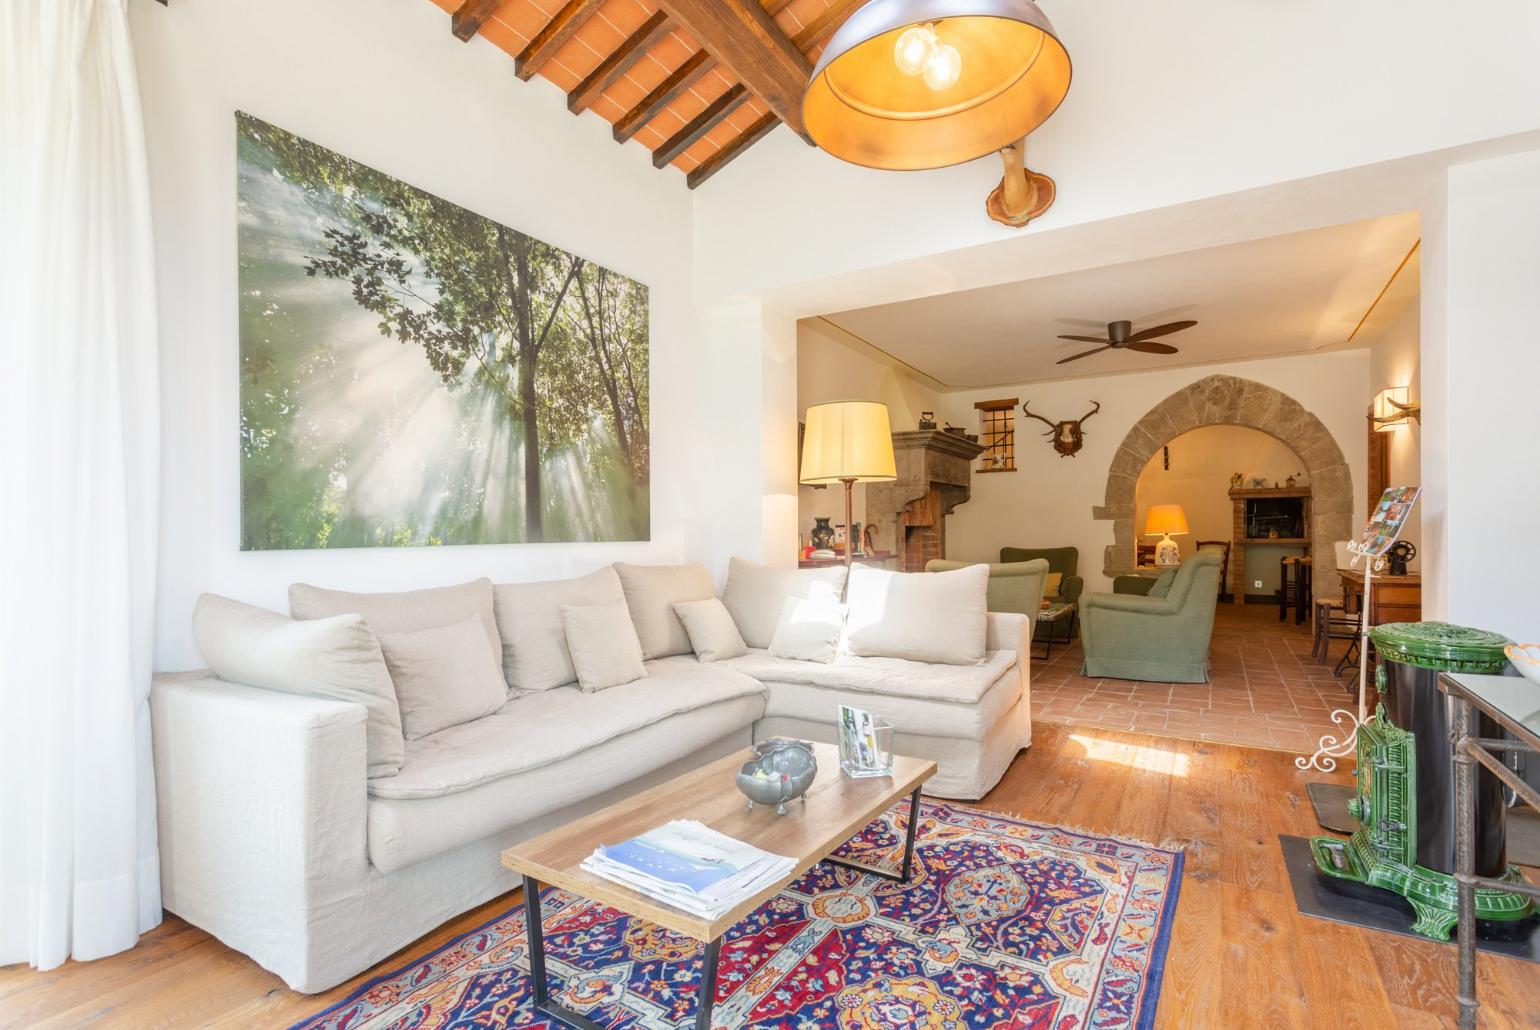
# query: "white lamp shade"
{"type": "Point", "coordinates": [847, 440]}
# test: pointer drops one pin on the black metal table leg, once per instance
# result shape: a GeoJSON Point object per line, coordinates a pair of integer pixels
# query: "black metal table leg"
{"type": "Point", "coordinates": [706, 1000]}
{"type": "Point", "coordinates": [1465, 861]}
{"type": "Point", "coordinates": [908, 866]}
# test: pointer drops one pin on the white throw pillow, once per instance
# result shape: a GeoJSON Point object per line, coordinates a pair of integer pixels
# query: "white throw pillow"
{"type": "Point", "coordinates": [535, 655]}
{"type": "Point", "coordinates": [922, 616]}
{"type": "Point", "coordinates": [651, 591]}
{"type": "Point", "coordinates": [808, 629]}
{"type": "Point", "coordinates": [713, 635]}
{"type": "Point", "coordinates": [755, 594]}
{"type": "Point", "coordinates": [402, 611]}
{"type": "Point", "coordinates": [338, 659]}
{"type": "Point", "coordinates": [603, 644]}
{"type": "Point", "coordinates": [444, 676]}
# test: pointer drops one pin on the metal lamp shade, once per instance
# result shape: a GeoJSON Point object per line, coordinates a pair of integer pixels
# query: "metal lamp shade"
{"type": "Point", "coordinates": [862, 109]}
{"type": "Point", "coordinates": [847, 440]}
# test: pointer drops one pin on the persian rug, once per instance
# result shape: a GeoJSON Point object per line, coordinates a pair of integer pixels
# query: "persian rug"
{"type": "Point", "coordinates": [1005, 925]}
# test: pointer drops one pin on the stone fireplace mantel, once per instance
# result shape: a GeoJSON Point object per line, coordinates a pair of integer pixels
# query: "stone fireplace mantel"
{"type": "Point", "coordinates": [935, 470]}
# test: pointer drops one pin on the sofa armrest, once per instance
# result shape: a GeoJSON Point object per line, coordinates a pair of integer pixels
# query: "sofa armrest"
{"type": "Point", "coordinates": [262, 804]}
{"type": "Point", "coordinates": [1008, 631]}
{"type": "Point", "coordinates": [1070, 588]}
{"type": "Point", "coordinates": [1140, 603]}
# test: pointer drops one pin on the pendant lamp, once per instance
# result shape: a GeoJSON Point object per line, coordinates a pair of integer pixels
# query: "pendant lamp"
{"type": "Point", "coordinates": [913, 84]}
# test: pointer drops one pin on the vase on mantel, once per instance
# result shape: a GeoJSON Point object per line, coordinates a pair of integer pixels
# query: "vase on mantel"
{"type": "Point", "coordinates": [823, 533]}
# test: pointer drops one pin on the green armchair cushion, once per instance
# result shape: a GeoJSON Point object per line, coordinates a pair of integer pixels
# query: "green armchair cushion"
{"type": "Point", "coordinates": [1133, 584]}
{"type": "Point", "coordinates": [1063, 560]}
{"type": "Point", "coordinates": [1162, 586]}
{"type": "Point", "coordinates": [1013, 586]}
{"type": "Point", "coordinates": [1158, 639]}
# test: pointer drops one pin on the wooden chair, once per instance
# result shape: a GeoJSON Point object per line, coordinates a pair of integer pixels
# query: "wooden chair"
{"type": "Point", "coordinates": [1144, 554]}
{"type": "Point", "coordinates": [1224, 567]}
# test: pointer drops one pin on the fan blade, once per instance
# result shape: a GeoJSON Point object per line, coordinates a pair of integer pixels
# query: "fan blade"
{"type": "Point", "coordinates": [1087, 339]}
{"type": "Point", "coordinates": [1161, 330]}
{"type": "Point", "coordinates": [1150, 347]}
{"type": "Point", "coordinates": [1084, 354]}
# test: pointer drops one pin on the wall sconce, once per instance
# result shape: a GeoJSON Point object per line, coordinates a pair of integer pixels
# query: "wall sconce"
{"type": "Point", "coordinates": [1391, 409]}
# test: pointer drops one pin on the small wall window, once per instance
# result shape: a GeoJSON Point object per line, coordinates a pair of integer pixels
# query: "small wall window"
{"type": "Point", "coordinates": [997, 432]}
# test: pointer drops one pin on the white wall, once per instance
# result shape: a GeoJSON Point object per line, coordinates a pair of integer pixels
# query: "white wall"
{"type": "Point", "coordinates": [1171, 103]}
{"type": "Point", "coordinates": [1480, 367]}
{"type": "Point", "coordinates": [384, 81]}
{"type": "Point", "coordinates": [1202, 462]}
{"type": "Point", "coordinates": [1394, 360]}
{"type": "Point", "coordinates": [1048, 501]}
{"type": "Point", "coordinates": [833, 367]}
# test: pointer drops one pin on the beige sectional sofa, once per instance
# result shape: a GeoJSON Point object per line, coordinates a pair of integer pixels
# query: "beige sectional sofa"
{"type": "Point", "coordinates": [275, 838]}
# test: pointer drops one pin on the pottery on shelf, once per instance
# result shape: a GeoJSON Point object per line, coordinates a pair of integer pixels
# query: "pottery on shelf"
{"type": "Point", "coordinates": [1526, 659]}
{"type": "Point", "coordinates": [783, 771]}
{"type": "Point", "coordinates": [823, 533]}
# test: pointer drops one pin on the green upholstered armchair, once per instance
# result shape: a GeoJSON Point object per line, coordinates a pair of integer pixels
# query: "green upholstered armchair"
{"type": "Point", "coordinates": [1063, 560]}
{"type": "Point", "coordinates": [1161, 639]}
{"type": "Point", "coordinates": [1013, 586]}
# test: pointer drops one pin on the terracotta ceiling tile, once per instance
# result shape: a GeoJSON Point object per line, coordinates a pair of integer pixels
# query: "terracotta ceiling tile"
{"type": "Point", "coordinates": [650, 137]}
{"type": "Point", "coordinates": [606, 108]}
{"type": "Point", "coordinates": [522, 18]}
{"type": "Point", "coordinates": [504, 38]}
{"type": "Point", "coordinates": [564, 77]}
{"type": "Point", "coordinates": [625, 93]}
{"type": "Point", "coordinates": [449, 6]}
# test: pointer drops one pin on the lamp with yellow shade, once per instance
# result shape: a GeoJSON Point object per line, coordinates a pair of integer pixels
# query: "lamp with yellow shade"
{"type": "Point", "coordinates": [1168, 520]}
{"type": "Point", "coordinates": [847, 442]}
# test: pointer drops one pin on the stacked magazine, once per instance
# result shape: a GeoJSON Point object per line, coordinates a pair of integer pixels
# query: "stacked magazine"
{"type": "Point", "coordinates": [690, 866]}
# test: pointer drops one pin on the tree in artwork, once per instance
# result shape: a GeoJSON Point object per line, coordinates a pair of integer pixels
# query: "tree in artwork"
{"type": "Point", "coordinates": [530, 365]}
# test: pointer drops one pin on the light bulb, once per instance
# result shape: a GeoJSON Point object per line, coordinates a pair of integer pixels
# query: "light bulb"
{"type": "Point", "coordinates": [914, 48]}
{"type": "Point", "coordinates": [943, 68]}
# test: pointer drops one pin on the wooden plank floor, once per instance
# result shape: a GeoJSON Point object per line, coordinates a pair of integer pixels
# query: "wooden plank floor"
{"type": "Point", "coordinates": [1240, 956]}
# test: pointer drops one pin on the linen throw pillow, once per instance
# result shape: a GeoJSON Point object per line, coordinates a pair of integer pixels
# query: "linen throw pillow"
{"type": "Point", "coordinates": [535, 655]}
{"type": "Point", "coordinates": [337, 658]}
{"type": "Point", "coordinates": [939, 617]}
{"type": "Point", "coordinates": [651, 591]}
{"type": "Point", "coordinates": [713, 634]}
{"type": "Point", "coordinates": [402, 611]}
{"type": "Point", "coordinates": [603, 645]}
{"type": "Point", "coordinates": [808, 629]}
{"type": "Point", "coordinates": [755, 594]}
{"type": "Point", "coordinates": [444, 676]}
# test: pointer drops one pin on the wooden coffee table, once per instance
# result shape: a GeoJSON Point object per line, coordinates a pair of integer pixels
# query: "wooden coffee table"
{"type": "Point", "coordinates": [836, 808]}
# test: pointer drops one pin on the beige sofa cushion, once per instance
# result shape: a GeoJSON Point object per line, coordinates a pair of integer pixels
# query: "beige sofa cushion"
{"type": "Point", "coordinates": [754, 594]}
{"type": "Point", "coordinates": [402, 611]}
{"type": "Point", "coordinates": [651, 591]}
{"type": "Point", "coordinates": [535, 653]}
{"type": "Point", "coordinates": [540, 729]}
{"type": "Point", "coordinates": [922, 616]}
{"type": "Point", "coordinates": [897, 677]}
{"type": "Point", "coordinates": [603, 645]}
{"type": "Point", "coordinates": [809, 629]}
{"type": "Point", "coordinates": [337, 658]}
{"type": "Point", "coordinates": [713, 634]}
{"type": "Point", "coordinates": [907, 713]}
{"type": "Point", "coordinates": [443, 676]}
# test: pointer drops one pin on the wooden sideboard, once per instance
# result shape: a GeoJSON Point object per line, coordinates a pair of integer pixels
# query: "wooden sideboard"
{"type": "Point", "coordinates": [1394, 598]}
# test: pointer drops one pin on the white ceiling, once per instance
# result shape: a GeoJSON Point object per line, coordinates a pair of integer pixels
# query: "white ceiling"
{"type": "Point", "coordinates": [1279, 295]}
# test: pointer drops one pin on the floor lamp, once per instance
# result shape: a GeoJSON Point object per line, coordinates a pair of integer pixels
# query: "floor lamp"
{"type": "Point", "coordinates": [847, 442]}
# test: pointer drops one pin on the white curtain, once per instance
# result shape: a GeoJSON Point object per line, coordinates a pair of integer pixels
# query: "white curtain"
{"type": "Point", "coordinates": [79, 470]}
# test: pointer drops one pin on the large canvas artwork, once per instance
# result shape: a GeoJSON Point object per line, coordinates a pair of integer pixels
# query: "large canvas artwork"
{"type": "Point", "coordinates": [413, 373]}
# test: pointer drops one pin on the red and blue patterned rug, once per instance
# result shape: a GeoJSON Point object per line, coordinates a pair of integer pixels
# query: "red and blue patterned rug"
{"type": "Point", "coordinates": [1006, 925]}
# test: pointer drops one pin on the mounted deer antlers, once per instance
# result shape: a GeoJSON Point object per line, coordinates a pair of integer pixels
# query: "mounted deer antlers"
{"type": "Point", "coordinates": [1067, 436]}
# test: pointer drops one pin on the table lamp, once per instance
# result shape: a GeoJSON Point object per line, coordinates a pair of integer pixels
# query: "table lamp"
{"type": "Point", "coordinates": [1167, 520]}
{"type": "Point", "coordinates": [847, 442]}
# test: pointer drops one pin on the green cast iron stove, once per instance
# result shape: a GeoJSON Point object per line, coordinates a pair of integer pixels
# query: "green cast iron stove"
{"type": "Point", "coordinates": [1405, 841]}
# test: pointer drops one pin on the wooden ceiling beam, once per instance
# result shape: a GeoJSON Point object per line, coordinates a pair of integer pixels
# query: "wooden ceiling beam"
{"type": "Point", "coordinates": [698, 126]}
{"type": "Point", "coordinates": [743, 38]}
{"type": "Point", "coordinates": [824, 26]}
{"type": "Point", "coordinates": [716, 162]}
{"type": "Point", "coordinates": [616, 64]}
{"type": "Point", "coordinates": [550, 38]}
{"type": "Point", "coordinates": [467, 19]}
{"type": "Point", "coordinates": [666, 92]}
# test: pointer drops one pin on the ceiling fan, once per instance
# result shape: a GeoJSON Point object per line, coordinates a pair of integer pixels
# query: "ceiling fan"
{"type": "Point", "coordinates": [1120, 337]}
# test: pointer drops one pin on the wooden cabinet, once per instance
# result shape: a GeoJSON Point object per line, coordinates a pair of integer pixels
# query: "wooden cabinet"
{"type": "Point", "coordinates": [1393, 598]}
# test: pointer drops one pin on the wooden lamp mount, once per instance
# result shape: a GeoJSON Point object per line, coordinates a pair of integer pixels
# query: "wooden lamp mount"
{"type": "Point", "coordinates": [1022, 194]}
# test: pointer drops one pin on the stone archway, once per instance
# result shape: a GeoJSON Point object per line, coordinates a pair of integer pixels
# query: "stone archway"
{"type": "Point", "coordinates": [1222, 400]}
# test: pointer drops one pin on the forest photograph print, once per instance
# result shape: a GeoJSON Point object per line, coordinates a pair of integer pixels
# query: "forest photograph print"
{"type": "Point", "coordinates": [415, 374]}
